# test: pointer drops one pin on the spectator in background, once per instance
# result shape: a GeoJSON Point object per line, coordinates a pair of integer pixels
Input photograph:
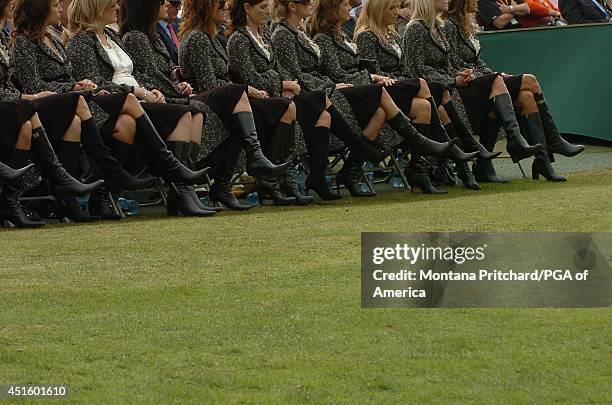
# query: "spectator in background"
{"type": "Point", "coordinates": [168, 29]}
{"type": "Point", "coordinates": [585, 11]}
{"type": "Point", "coordinates": [349, 27]}
{"type": "Point", "coordinates": [502, 15]}
{"type": "Point", "coordinates": [541, 12]}
{"type": "Point", "coordinates": [403, 17]}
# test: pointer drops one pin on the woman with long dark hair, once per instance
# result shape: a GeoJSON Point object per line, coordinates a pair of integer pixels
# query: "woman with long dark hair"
{"type": "Point", "coordinates": [138, 21]}
{"type": "Point", "coordinates": [370, 94]}
{"type": "Point", "coordinates": [535, 118]}
{"type": "Point", "coordinates": [377, 40]}
{"type": "Point", "coordinates": [426, 53]}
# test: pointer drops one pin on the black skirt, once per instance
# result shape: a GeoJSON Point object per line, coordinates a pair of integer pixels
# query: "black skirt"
{"type": "Point", "coordinates": [13, 114]}
{"type": "Point", "coordinates": [403, 92]}
{"type": "Point", "coordinates": [222, 100]}
{"type": "Point", "coordinates": [112, 104]}
{"type": "Point", "coordinates": [364, 101]}
{"type": "Point", "coordinates": [165, 116]}
{"type": "Point", "coordinates": [57, 113]}
{"type": "Point", "coordinates": [475, 98]}
{"type": "Point", "coordinates": [436, 89]}
{"type": "Point", "coordinates": [267, 113]}
{"type": "Point", "coordinates": [309, 106]}
{"type": "Point", "coordinates": [514, 83]}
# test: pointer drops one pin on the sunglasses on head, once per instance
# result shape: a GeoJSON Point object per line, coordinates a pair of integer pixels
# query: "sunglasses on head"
{"type": "Point", "coordinates": [175, 3]}
{"type": "Point", "coordinates": [305, 2]}
{"type": "Point", "coordinates": [221, 4]}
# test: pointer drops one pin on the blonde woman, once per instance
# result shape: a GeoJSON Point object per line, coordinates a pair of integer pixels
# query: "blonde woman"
{"type": "Point", "coordinates": [426, 53]}
{"type": "Point", "coordinates": [377, 40]}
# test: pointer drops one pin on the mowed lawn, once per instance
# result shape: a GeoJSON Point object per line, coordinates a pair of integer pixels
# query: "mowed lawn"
{"type": "Point", "coordinates": [264, 307]}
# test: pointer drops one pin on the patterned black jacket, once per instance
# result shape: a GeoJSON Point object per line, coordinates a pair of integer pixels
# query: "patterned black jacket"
{"type": "Point", "coordinates": [8, 91]}
{"type": "Point", "coordinates": [203, 61]}
{"type": "Point", "coordinates": [298, 60]}
{"type": "Point", "coordinates": [250, 65]}
{"type": "Point", "coordinates": [388, 61]}
{"type": "Point", "coordinates": [464, 52]}
{"type": "Point", "coordinates": [339, 62]}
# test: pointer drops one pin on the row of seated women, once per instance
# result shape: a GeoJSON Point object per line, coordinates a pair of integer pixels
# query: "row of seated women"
{"type": "Point", "coordinates": [118, 97]}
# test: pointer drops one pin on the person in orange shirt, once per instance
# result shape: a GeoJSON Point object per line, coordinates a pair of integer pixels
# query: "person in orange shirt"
{"type": "Point", "coordinates": [542, 12]}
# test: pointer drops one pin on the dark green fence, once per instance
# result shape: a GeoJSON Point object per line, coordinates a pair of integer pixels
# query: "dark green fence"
{"type": "Point", "coordinates": [573, 65]}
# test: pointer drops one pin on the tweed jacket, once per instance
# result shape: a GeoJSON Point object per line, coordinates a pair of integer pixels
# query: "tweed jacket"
{"type": "Point", "coordinates": [154, 64]}
{"type": "Point", "coordinates": [7, 90]}
{"type": "Point", "coordinates": [37, 68]}
{"type": "Point", "coordinates": [339, 62]}
{"type": "Point", "coordinates": [424, 55]}
{"type": "Point", "coordinates": [250, 65]}
{"type": "Point", "coordinates": [464, 54]}
{"type": "Point", "coordinates": [298, 60]}
{"type": "Point", "coordinates": [388, 61]}
{"type": "Point", "coordinates": [203, 61]}
{"type": "Point", "coordinates": [90, 60]}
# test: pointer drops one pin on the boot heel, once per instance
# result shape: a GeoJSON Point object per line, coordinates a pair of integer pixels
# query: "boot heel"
{"type": "Point", "coordinates": [535, 175]}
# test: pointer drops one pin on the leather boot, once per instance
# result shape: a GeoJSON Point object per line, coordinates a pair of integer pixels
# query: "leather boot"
{"type": "Point", "coordinates": [181, 195]}
{"type": "Point", "coordinates": [466, 176]}
{"type": "Point", "coordinates": [355, 141]}
{"type": "Point", "coordinates": [349, 177]}
{"type": "Point", "coordinates": [223, 165]}
{"type": "Point", "coordinates": [192, 160]}
{"type": "Point", "coordinates": [269, 186]}
{"type": "Point", "coordinates": [517, 147]}
{"type": "Point", "coordinates": [532, 127]}
{"type": "Point", "coordinates": [483, 169]}
{"type": "Point", "coordinates": [9, 174]}
{"type": "Point", "coordinates": [11, 212]}
{"type": "Point", "coordinates": [417, 174]}
{"type": "Point", "coordinates": [117, 178]}
{"type": "Point", "coordinates": [554, 142]}
{"type": "Point", "coordinates": [318, 150]}
{"type": "Point", "coordinates": [421, 144]}
{"type": "Point", "coordinates": [287, 180]}
{"type": "Point", "coordinates": [171, 168]}
{"type": "Point", "coordinates": [463, 133]}
{"type": "Point", "coordinates": [243, 126]}
{"type": "Point", "coordinates": [61, 182]}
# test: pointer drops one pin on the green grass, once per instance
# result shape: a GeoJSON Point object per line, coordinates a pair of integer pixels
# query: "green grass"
{"type": "Point", "coordinates": [265, 307]}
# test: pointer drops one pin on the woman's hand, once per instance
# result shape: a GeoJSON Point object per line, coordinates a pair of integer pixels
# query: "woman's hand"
{"type": "Point", "coordinates": [84, 85]}
{"type": "Point", "coordinates": [292, 87]}
{"type": "Point", "coordinates": [255, 93]}
{"type": "Point", "coordinates": [157, 96]}
{"type": "Point", "coordinates": [36, 96]}
{"type": "Point", "coordinates": [343, 85]}
{"type": "Point", "coordinates": [185, 88]}
{"type": "Point", "coordinates": [384, 80]}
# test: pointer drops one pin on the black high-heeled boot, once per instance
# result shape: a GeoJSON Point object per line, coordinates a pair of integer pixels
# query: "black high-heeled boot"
{"type": "Point", "coordinates": [181, 195]}
{"type": "Point", "coordinates": [458, 129]}
{"type": "Point", "coordinates": [349, 177]}
{"type": "Point", "coordinates": [517, 147]}
{"type": "Point", "coordinates": [243, 126]}
{"type": "Point", "coordinates": [483, 169]}
{"type": "Point", "coordinates": [11, 212]}
{"type": "Point", "coordinates": [192, 163]}
{"type": "Point", "coordinates": [287, 180]}
{"type": "Point", "coordinates": [417, 174]}
{"type": "Point", "coordinates": [466, 176]}
{"type": "Point", "coordinates": [117, 178]}
{"type": "Point", "coordinates": [318, 150]}
{"type": "Point", "coordinates": [61, 182]}
{"type": "Point", "coordinates": [9, 174]}
{"type": "Point", "coordinates": [223, 161]}
{"type": "Point", "coordinates": [269, 186]}
{"type": "Point", "coordinates": [359, 148]}
{"type": "Point", "coordinates": [171, 168]}
{"type": "Point", "coordinates": [531, 124]}
{"type": "Point", "coordinates": [554, 141]}
{"type": "Point", "coordinates": [421, 144]}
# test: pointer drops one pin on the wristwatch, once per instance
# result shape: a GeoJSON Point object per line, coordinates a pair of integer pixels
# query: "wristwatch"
{"type": "Point", "coordinates": [511, 9]}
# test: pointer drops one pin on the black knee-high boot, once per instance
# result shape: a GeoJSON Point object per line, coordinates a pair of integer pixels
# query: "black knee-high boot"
{"type": "Point", "coordinates": [10, 209]}
{"type": "Point", "coordinates": [275, 147]}
{"type": "Point", "coordinates": [68, 153]}
{"type": "Point", "coordinates": [421, 144]}
{"type": "Point", "coordinates": [483, 169]}
{"type": "Point", "coordinates": [287, 180]}
{"type": "Point", "coordinates": [359, 148]}
{"type": "Point", "coordinates": [62, 183]}
{"type": "Point", "coordinates": [463, 133]}
{"type": "Point", "coordinates": [222, 162]}
{"type": "Point", "coordinates": [9, 174]}
{"type": "Point", "coordinates": [180, 195]}
{"type": "Point", "coordinates": [463, 169]}
{"type": "Point", "coordinates": [243, 127]}
{"type": "Point", "coordinates": [117, 178]}
{"type": "Point", "coordinates": [531, 126]}
{"type": "Point", "coordinates": [517, 147]}
{"type": "Point", "coordinates": [171, 168]}
{"type": "Point", "coordinates": [554, 142]}
{"type": "Point", "coordinates": [318, 151]}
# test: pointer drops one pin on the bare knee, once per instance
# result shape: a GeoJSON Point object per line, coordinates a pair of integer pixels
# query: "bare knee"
{"type": "Point", "coordinates": [443, 115]}
{"type": "Point", "coordinates": [132, 106]}
{"type": "Point", "coordinates": [499, 86]}
{"type": "Point", "coordinates": [73, 134]}
{"type": "Point", "coordinates": [424, 91]}
{"type": "Point", "coordinates": [446, 97]}
{"type": "Point", "coordinates": [421, 110]}
{"type": "Point", "coordinates": [83, 109]}
{"type": "Point", "coordinates": [24, 138]}
{"type": "Point", "coordinates": [324, 120]}
{"type": "Point", "coordinates": [125, 129]}
{"type": "Point", "coordinates": [526, 102]}
{"type": "Point", "coordinates": [289, 115]}
{"type": "Point", "coordinates": [530, 82]}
